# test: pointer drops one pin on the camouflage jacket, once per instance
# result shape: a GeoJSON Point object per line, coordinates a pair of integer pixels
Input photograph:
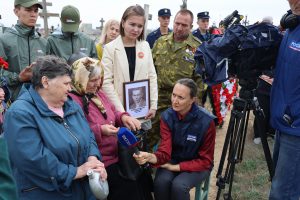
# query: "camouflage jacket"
{"type": "Point", "coordinates": [173, 62]}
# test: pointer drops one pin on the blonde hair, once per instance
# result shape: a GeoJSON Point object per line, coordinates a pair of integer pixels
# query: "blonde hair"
{"type": "Point", "coordinates": [107, 25]}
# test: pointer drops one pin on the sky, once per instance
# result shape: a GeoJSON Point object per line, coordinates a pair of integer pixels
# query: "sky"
{"type": "Point", "coordinates": [93, 10]}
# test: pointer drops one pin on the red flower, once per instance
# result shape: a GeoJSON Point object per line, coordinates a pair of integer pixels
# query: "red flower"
{"type": "Point", "coordinates": [3, 64]}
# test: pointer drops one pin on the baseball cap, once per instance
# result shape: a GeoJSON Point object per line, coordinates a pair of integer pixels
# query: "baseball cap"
{"type": "Point", "coordinates": [203, 15]}
{"type": "Point", "coordinates": [70, 19]}
{"type": "Point", "coordinates": [28, 3]}
{"type": "Point", "coordinates": [164, 12]}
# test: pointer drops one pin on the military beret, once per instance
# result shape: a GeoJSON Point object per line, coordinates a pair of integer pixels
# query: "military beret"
{"type": "Point", "coordinates": [203, 15]}
{"type": "Point", "coordinates": [164, 12]}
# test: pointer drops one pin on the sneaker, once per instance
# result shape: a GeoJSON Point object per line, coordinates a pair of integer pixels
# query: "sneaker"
{"type": "Point", "coordinates": [257, 140]}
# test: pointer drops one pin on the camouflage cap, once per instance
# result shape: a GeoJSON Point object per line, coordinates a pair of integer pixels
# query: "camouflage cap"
{"type": "Point", "coordinates": [28, 3]}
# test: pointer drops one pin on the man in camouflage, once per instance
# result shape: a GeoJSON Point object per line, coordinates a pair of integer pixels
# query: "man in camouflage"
{"type": "Point", "coordinates": [173, 57]}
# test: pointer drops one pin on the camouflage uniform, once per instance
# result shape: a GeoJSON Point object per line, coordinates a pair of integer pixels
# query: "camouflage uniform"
{"type": "Point", "coordinates": [172, 62]}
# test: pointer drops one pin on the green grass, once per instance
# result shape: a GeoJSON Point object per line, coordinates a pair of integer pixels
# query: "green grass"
{"type": "Point", "coordinates": [251, 181]}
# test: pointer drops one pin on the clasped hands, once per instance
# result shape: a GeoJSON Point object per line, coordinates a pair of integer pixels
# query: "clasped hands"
{"type": "Point", "coordinates": [94, 164]}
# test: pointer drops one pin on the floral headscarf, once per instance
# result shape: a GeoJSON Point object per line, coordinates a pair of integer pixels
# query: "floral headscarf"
{"type": "Point", "coordinates": [82, 69]}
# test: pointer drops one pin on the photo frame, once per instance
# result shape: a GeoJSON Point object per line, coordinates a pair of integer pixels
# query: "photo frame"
{"type": "Point", "coordinates": [137, 97]}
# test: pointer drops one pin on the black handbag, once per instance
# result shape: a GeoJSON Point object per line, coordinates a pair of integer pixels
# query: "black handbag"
{"type": "Point", "coordinates": [128, 167]}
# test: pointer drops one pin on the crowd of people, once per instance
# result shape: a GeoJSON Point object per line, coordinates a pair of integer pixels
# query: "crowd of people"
{"type": "Point", "coordinates": [63, 103]}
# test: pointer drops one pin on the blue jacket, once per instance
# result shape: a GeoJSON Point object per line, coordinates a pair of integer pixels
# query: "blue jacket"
{"type": "Point", "coordinates": [153, 36]}
{"type": "Point", "coordinates": [285, 94]}
{"type": "Point", "coordinates": [196, 33]}
{"type": "Point", "coordinates": [45, 149]}
{"type": "Point", "coordinates": [188, 133]}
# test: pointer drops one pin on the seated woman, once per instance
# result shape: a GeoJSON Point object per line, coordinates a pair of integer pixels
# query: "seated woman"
{"type": "Point", "coordinates": [186, 152]}
{"type": "Point", "coordinates": [104, 119]}
{"type": "Point", "coordinates": [50, 144]}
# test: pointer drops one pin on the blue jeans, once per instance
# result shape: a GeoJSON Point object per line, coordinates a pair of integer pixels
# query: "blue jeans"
{"type": "Point", "coordinates": [170, 185]}
{"type": "Point", "coordinates": [286, 156]}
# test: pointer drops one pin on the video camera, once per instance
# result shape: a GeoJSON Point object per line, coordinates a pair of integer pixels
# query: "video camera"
{"type": "Point", "coordinates": [242, 51]}
{"type": "Point", "coordinates": [233, 18]}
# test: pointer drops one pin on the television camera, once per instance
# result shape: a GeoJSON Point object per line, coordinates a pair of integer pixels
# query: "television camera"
{"type": "Point", "coordinates": [244, 52]}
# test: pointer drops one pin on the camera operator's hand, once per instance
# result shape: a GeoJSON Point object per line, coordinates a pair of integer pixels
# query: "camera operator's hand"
{"type": "Point", "coordinates": [151, 114]}
{"type": "Point", "coordinates": [26, 74]}
{"type": "Point", "coordinates": [109, 129]}
{"type": "Point", "coordinates": [267, 79]}
{"type": "Point", "coordinates": [131, 123]}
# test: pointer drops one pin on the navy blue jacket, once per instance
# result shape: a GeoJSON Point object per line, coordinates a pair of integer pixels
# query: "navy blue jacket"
{"type": "Point", "coordinates": [202, 38]}
{"type": "Point", "coordinates": [188, 133]}
{"type": "Point", "coordinates": [153, 36]}
{"type": "Point", "coordinates": [285, 94]}
{"type": "Point", "coordinates": [45, 150]}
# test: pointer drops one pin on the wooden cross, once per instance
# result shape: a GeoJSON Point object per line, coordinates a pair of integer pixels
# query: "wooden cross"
{"type": "Point", "coordinates": [44, 14]}
{"type": "Point", "coordinates": [102, 22]}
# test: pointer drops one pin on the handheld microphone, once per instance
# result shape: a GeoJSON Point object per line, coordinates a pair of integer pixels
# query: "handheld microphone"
{"type": "Point", "coordinates": [128, 139]}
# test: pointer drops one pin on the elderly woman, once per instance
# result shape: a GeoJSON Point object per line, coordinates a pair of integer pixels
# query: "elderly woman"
{"type": "Point", "coordinates": [51, 145]}
{"type": "Point", "coordinates": [104, 121]}
{"type": "Point", "coordinates": [110, 32]}
{"type": "Point", "coordinates": [185, 154]}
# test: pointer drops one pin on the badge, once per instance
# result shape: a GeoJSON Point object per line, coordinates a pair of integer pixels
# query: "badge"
{"type": "Point", "coordinates": [140, 55]}
{"type": "Point", "coordinates": [191, 138]}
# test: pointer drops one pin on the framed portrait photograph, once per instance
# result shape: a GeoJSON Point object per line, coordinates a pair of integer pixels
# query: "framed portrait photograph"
{"type": "Point", "coordinates": [137, 98]}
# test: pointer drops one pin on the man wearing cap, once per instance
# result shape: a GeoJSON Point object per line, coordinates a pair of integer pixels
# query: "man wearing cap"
{"type": "Point", "coordinates": [164, 21]}
{"type": "Point", "coordinates": [66, 41]}
{"type": "Point", "coordinates": [173, 57]}
{"type": "Point", "coordinates": [202, 31]}
{"type": "Point", "coordinates": [21, 45]}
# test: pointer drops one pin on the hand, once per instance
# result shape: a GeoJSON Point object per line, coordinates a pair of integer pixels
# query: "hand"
{"type": "Point", "coordinates": [2, 95]}
{"type": "Point", "coordinates": [131, 123]}
{"type": "Point", "coordinates": [144, 157]}
{"type": "Point", "coordinates": [26, 74]}
{"type": "Point", "coordinates": [108, 129]}
{"type": "Point", "coordinates": [171, 167]}
{"type": "Point", "coordinates": [151, 114]}
{"type": "Point", "coordinates": [94, 164]}
{"type": "Point", "coordinates": [267, 79]}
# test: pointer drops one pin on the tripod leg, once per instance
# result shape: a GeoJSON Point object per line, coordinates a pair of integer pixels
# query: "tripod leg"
{"type": "Point", "coordinates": [262, 133]}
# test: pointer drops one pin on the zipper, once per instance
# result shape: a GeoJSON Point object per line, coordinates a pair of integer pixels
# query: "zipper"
{"type": "Point", "coordinates": [72, 43]}
{"type": "Point", "coordinates": [78, 152]}
{"type": "Point", "coordinates": [76, 139]}
{"type": "Point", "coordinates": [29, 55]}
{"type": "Point", "coordinates": [29, 189]}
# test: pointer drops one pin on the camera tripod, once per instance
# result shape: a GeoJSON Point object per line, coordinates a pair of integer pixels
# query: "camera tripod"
{"type": "Point", "coordinates": [235, 141]}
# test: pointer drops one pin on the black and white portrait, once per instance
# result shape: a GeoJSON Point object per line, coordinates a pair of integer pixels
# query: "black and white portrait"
{"type": "Point", "coordinates": [137, 98]}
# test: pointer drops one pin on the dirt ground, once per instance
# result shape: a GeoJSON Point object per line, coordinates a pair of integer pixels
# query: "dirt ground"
{"type": "Point", "coordinates": [220, 137]}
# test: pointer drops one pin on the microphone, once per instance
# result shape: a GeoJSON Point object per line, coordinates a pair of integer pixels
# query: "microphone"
{"type": "Point", "coordinates": [128, 139]}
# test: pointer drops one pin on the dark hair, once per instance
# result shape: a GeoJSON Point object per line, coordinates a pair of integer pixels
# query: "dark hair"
{"type": "Point", "coordinates": [190, 84]}
{"type": "Point", "coordinates": [75, 56]}
{"type": "Point", "coordinates": [136, 10]}
{"type": "Point", "coordinates": [49, 66]}
{"type": "Point", "coordinates": [185, 12]}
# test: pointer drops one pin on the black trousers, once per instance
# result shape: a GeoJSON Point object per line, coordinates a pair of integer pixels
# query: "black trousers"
{"type": "Point", "coordinates": [120, 188]}
{"type": "Point", "coordinates": [264, 103]}
{"type": "Point", "coordinates": [170, 185]}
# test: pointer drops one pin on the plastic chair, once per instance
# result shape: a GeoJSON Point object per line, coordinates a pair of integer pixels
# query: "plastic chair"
{"type": "Point", "coordinates": [201, 191]}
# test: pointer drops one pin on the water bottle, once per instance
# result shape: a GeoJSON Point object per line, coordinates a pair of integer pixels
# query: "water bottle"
{"type": "Point", "coordinates": [98, 187]}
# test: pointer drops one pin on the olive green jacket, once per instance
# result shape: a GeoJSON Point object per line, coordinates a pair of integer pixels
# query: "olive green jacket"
{"type": "Point", "coordinates": [65, 44]}
{"type": "Point", "coordinates": [19, 46]}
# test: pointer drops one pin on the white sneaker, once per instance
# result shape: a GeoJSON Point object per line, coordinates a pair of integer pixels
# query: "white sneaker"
{"type": "Point", "coordinates": [257, 140]}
